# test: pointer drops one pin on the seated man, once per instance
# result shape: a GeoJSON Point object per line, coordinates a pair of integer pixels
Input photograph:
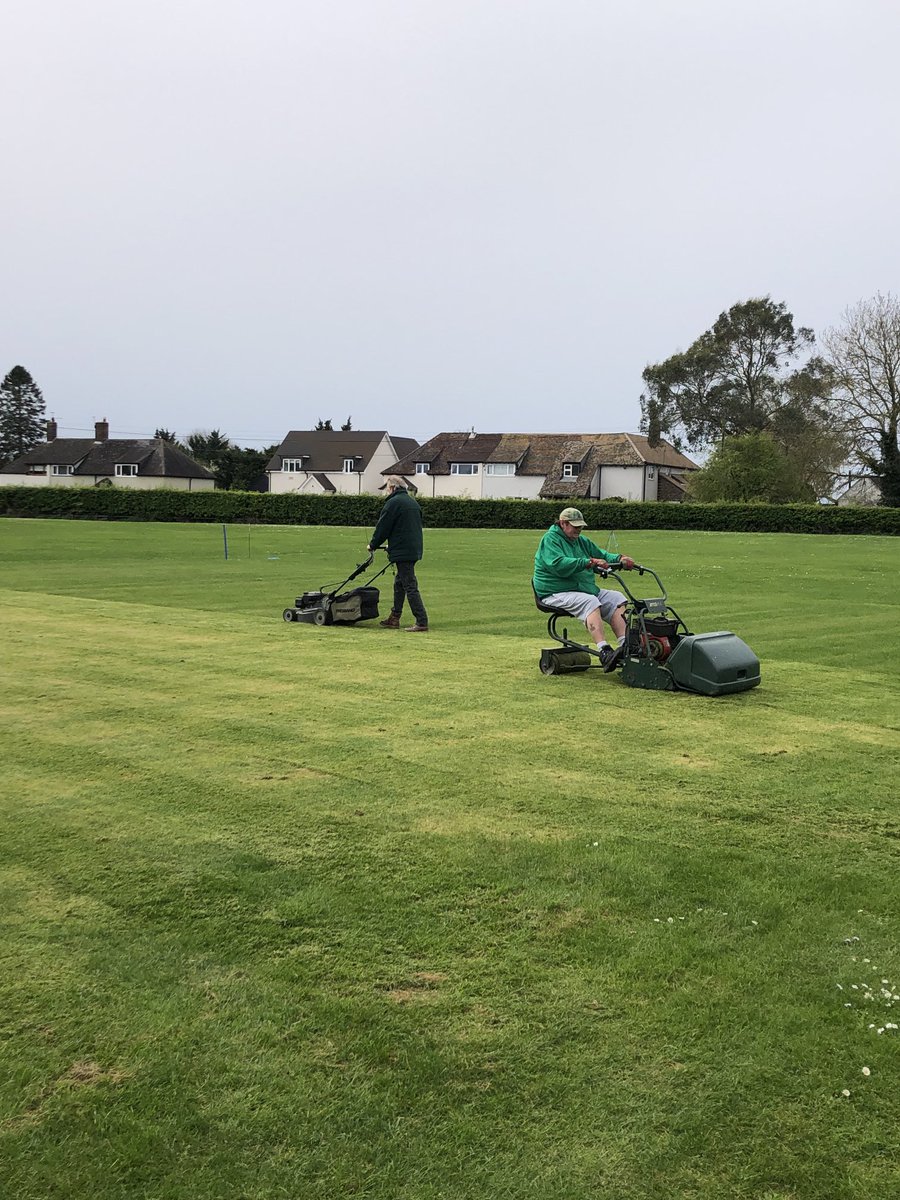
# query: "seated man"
{"type": "Point", "coordinates": [564, 578]}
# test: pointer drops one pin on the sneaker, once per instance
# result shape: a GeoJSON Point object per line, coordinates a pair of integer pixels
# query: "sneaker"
{"type": "Point", "coordinates": [391, 622]}
{"type": "Point", "coordinates": [416, 629]}
{"type": "Point", "coordinates": [611, 657]}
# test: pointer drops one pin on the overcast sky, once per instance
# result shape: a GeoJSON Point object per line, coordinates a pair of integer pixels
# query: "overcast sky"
{"type": "Point", "coordinates": [426, 214]}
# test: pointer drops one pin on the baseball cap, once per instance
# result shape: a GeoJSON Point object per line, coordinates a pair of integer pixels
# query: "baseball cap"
{"type": "Point", "coordinates": [573, 516]}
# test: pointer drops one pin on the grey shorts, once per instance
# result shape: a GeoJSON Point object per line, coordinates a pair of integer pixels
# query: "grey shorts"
{"type": "Point", "coordinates": [582, 604]}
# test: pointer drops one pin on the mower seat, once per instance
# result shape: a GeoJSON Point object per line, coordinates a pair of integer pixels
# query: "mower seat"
{"type": "Point", "coordinates": [547, 608]}
{"type": "Point", "coordinates": [554, 614]}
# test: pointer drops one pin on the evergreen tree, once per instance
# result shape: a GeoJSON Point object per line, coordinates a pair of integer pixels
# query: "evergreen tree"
{"type": "Point", "coordinates": [320, 424]}
{"type": "Point", "coordinates": [208, 448]}
{"type": "Point", "coordinates": [346, 427]}
{"type": "Point", "coordinates": [167, 435]}
{"type": "Point", "coordinates": [21, 415]}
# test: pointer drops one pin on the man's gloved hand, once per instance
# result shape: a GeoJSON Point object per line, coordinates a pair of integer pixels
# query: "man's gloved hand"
{"type": "Point", "coordinates": [626, 562]}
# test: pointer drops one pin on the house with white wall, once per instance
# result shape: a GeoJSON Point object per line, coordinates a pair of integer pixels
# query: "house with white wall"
{"type": "Point", "coordinates": [335, 460]}
{"type": "Point", "coordinates": [101, 460]}
{"type": "Point", "coordinates": [552, 466]}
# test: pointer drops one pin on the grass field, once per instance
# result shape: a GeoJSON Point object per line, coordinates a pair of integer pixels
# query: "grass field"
{"type": "Point", "coordinates": [299, 912]}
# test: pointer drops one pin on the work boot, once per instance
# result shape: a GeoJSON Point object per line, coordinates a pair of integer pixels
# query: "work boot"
{"type": "Point", "coordinates": [611, 656]}
{"type": "Point", "coordinates": [392, 621]}
{"type": "Point", "coordinates": [416, 629]}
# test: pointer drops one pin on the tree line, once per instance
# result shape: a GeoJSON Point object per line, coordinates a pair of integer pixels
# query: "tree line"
{"type": "Point", "coordinates": [781, 422]}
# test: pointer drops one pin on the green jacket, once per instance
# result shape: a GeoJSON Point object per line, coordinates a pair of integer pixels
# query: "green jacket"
{"type": "Point", "coordinates": [564, 566]}
{"type": "Point", "coordinates": [400, 525]}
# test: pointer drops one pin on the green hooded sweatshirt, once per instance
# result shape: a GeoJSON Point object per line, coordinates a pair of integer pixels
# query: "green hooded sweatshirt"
{"type": "Point", "coordinates": [564, 566]}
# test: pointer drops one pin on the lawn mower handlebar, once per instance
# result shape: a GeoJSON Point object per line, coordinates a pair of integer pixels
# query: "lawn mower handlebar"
{"type": "Point", "coordinates": [611, 568]}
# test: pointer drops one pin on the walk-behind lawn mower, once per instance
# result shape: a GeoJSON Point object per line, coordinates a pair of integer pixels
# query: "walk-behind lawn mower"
{"type": "Point", "coordinates": [660, 653]}
{"type": "Point", "coordinates": [332, 606]}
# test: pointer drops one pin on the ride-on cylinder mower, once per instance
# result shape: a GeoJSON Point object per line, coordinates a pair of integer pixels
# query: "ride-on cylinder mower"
{"type": "Point", "coordinates": [331, 606]}
{"type": "Point", "coordinates": [660, 653]}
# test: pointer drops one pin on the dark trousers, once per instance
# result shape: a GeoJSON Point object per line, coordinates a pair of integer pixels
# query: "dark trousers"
{"type": "Point", "coordinates": [406, 586]}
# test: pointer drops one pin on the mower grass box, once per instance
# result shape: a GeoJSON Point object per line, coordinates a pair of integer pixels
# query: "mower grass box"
{"type": "Point", "coordinates": [713, 664]}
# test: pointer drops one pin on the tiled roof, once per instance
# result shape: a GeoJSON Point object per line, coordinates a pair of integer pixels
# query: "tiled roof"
{"type": "Point", "coordinates": [445, 448]}
{"type": "Point", "coordinates": [543, 454]}
{"type": "Point", "coordinates": [403, 445]}
{"type": "Point", "coordinates": [326, 449]}
{"type": "Point", "coordinates": [153, 456]}
{"type": "Point", "coordinates": [670, 487]}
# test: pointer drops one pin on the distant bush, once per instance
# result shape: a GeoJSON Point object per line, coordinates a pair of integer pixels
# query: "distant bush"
{"type": "Point", "coordinates": [126, 504]}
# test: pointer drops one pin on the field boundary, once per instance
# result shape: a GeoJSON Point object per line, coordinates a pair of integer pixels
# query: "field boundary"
{"type": "Point", "coordinates": [124, 504]}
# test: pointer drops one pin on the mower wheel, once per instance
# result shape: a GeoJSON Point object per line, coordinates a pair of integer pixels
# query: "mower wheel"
{"type": "Point", "coordinates": [288, 614]}
{"type": "Point", "coordinates": [321, 617]}
{"type": "Point", "coordinates": [549, 664]}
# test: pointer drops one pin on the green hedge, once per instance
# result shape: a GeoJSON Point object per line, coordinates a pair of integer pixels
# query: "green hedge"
{"type": "Point", "coordinates": [127, 504]}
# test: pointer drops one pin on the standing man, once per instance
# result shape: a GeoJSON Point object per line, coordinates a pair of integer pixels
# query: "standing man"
{"type": "Point", "coordinates": [400, 525]}
{"type": "Point", "coordinates": [564, 567]}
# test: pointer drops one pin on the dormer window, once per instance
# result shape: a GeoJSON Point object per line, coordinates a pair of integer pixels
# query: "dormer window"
{"type": "Point", "coordinates": [422, 468]}
{"type": "Point", "coordinates": [292, 464]}
{"type": "Point", "coordinates": [353, 464]}
{"type": "Point", "coordinates": [571, 470]}
{"type": "Point", "coordinates": [63, 468]}
{"type": "Point", "coordinates": [500, 468]}
{"type": "Point", "coordinates": [464, 468]}
{"type": "Point", "coordinates": [126, 469]}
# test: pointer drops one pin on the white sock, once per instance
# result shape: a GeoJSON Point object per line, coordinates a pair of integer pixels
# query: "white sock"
{"type": "Point", "coordinates": [600, 645]}
{"type": "Point", "coordinates": [621, 640]}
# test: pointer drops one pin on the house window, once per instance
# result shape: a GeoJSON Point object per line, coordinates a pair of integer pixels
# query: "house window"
{"type": "Point", "coordinates": [423, 468]}
{"type": "Point", "coordinates": [349, 465]}
{"type": "Point", "coordinates": [500, 469]}
{"type": "Point", "coordinates": [63, 468]}
{"type": "Point", "coordinates": [570, 470]}
{"type": "Point", "coordinates": [651, 472]}
{"type": "Point", "coordinates": [464, 468]}
{"type": "Point", "coordinates": [126, 468]}
{"type": "Point", "coordinates": [292, 464]}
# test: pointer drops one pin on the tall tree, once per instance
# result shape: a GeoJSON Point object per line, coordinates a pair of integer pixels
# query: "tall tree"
{"type": "Point", "coordinates": [730, 381]}
{"type": "Point", "coordinates": [865, 354]}
{"type": "Point", "coordinates": [320, 424]}
{"type": "Point", "coordinates": [347, 426]}
{"type": "Point", "coordinates": [810, 430]}
{"type": "Point", "coordinates": [22, 412]}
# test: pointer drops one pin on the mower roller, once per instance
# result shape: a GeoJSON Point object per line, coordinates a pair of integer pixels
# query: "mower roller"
{"type": "Point", "coordinates": [331, 606]}
{"type": "Point", "coordinates": [660, 653]}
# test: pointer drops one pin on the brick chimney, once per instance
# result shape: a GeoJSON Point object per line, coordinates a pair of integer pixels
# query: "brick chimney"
{"type": "Point", "coordinates": [101, 430]}
{"type": "Point", "coordinates": [51, 430]}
